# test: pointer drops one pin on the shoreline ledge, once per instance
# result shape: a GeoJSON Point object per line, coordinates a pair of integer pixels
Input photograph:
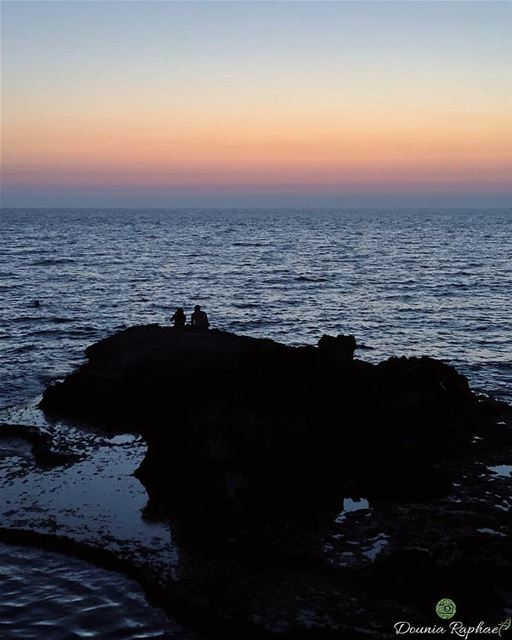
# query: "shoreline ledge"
{"type": "Point", "coordinates": [310, 494]}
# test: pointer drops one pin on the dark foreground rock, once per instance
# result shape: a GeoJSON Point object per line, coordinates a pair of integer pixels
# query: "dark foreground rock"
{"type": "Point", "coordinates": [253, 447]}
{"type": "Point", "coordinates": [247, 426]}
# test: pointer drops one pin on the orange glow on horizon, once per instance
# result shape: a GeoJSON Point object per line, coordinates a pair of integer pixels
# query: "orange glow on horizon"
{"type": "Point", "coordinates": [330, 148]}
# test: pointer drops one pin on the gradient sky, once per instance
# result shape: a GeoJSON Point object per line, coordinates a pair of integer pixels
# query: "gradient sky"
{"type": "Point", "coordinates": [256, 103]}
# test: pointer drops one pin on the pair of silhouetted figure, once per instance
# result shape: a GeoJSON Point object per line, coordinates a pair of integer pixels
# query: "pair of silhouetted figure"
{"type": "Point", "coordinates": [198, 319]}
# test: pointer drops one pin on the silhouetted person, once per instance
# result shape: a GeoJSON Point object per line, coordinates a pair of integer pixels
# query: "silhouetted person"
{"type": "Point", "coordinates": [179, 318]}
{"type": "Point", "coordinates": [199, 319]}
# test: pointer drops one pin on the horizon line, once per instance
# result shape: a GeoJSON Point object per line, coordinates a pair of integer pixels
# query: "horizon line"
{"type": "Point", "coordinates": [272, 207]}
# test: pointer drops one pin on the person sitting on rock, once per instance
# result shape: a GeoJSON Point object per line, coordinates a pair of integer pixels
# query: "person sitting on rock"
{"type": "Point", "coordinates": [199, 319]}
{"type": "Point", "coordinates": [179, 318]}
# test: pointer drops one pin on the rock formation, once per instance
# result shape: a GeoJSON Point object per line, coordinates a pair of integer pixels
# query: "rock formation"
{"type": "Point", "coordinates": [250, 426]}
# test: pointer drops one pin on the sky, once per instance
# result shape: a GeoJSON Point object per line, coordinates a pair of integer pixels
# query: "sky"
{"type": "Point", "coordinates": [171, 104]}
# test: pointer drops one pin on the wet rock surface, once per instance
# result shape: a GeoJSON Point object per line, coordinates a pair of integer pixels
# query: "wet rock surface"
{"type": "Point", "coordinates": [41, 446]}
{"type": "Point", "coordinates": [257, 457]}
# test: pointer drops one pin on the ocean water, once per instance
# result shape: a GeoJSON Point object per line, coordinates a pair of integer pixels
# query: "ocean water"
{"type": "Point", "coordinates": [403, 282]}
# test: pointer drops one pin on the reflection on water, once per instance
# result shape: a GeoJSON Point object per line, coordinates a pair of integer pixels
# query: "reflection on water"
{"type": "Point", "coordinates": [503, 470]}
{"type": "Point", "coordinates": [492, 532]}
{"type": "Point", "coordinates": [350, 505]}
{"type": "Point", "coordinates": [376, 545]}
{"type": "Point", "coordinates": [97, 498]}
{"type": "Point", "coordinates": [53, 596]}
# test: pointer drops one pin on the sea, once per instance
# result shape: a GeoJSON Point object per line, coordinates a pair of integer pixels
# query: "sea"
{"type": "Point", "coordinates": [403, 282]}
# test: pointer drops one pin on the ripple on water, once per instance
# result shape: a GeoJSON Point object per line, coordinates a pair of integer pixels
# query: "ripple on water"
{"type": "Point", "coordinates": [54, 596]}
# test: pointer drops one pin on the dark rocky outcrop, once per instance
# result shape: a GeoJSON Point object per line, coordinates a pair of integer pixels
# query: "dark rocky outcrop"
{"type": "Point", "coordinates": [247, 426]}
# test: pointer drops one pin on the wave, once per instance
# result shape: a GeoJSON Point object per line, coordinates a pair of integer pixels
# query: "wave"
{"type": "Point", "coordinates": [47, 262]}
{"type": "Point", "coordinates": [311, 278]}
{"type": "Point", "coordinates": [246, 305]}
{"type": "Point", "coordinates": [25, 348]}
{"type": "Point", "coordinates": [250, 244]}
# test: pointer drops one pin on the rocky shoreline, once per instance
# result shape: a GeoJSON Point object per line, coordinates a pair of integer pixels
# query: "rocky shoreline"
{"type": "Point", "coordinates": [308, 493]}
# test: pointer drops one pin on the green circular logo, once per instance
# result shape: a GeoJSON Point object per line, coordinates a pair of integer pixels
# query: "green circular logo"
{"type": "Point", "coordinates": [446, 608]}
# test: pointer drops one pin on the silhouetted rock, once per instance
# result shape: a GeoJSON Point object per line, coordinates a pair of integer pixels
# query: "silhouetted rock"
{"type": "Point", "coordinates": [339, 349]}
{"type": "Point", "coordinates": [247, 426]}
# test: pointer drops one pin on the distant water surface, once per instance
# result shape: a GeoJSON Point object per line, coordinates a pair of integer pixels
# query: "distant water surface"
{"type": "Point", "coordinates": [404, 282]}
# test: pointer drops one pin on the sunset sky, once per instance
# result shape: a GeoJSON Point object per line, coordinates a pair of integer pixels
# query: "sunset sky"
{"type": "Point", "coordinates": [256, 103]}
